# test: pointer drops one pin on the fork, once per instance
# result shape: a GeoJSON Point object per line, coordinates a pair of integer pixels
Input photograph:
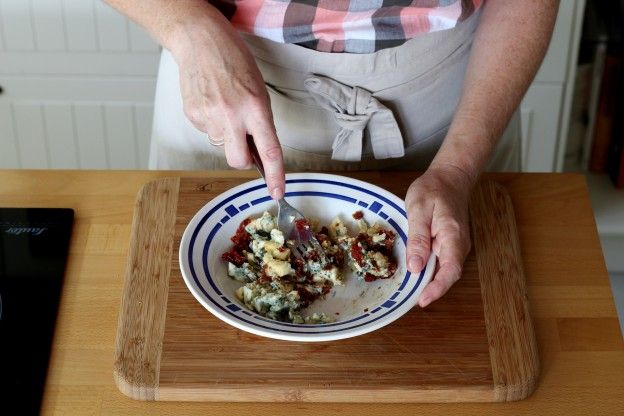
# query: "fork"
{"type": "Point", "coordinates": [287, 217]}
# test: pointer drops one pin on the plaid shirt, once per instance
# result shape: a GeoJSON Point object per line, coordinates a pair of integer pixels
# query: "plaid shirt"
{"type": "Point", "coordinates": [353, 26]}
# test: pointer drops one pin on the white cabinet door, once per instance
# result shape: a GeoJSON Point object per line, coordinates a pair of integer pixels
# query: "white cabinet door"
{"type": "Point", "coordinates": [78, 84]}
{"type": "Point", "coordinates": [546, 106]}
{"type": "Point", "coordinates": [540, 113]}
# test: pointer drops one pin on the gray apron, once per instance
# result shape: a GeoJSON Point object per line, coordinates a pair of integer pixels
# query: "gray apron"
{"type": "Point", "coordinates": [338, 111]}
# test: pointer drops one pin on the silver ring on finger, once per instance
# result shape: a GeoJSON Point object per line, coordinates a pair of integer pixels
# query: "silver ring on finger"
{"type": "Point", "coordinates": [215, 142]}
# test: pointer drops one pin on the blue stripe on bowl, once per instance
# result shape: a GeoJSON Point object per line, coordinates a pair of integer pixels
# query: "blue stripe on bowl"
{"type": "Point", "coordinates": [377, 309]}
{"type": "Point", "coordinates": [204, 258]}
{"type": "Point", "coordinates": [243, 207]}
{"type": "Point", "coordinates": [398, 229]}
{"type": "Point", "coordinates": [375, 207]}
{"type": "Point", "coordinates": [233, 307]}
{"type": "Point", "coordinates": [224, 219]}
{"type": "Point", "coordinates": [363, 204]}
{"type": "Point", "coordinates": [388, 304]}
{"type": "Point", "coordinates": [217, 226]}
{"type": "Point", "coordinates": [321, 194]}
{"type": "Point", "coordinates": [383, 215]}
{"type": "Point", "coordinates": [231, 209]}
{"type": "Point", "coordinates": [260, 200]}
{"type": "Point", "coordinates": [350, 186]}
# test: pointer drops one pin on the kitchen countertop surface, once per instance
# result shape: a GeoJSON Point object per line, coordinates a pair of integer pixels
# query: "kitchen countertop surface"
{"type": "Point", "coordinates": [578, 335]}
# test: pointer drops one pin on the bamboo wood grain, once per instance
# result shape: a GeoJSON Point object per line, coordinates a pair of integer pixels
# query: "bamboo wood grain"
{"type": "Point", "coordinates": [144, 301]}
{"type": "Point", "coordinates": [513, 351]}
{"type": "Point", "coordinates": [444, 353]}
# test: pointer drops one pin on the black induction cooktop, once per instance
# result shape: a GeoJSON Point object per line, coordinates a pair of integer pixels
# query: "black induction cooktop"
{"type": "Point", "coordinates": [34, 245]}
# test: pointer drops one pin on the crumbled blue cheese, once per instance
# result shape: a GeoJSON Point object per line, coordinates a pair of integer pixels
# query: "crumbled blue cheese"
{"type": "Point", "coordinates": [242, 274]}
{"type": "Point", "coordinates": [333, 274]}
{"type": "Point", "coordinates": [376, 258]}
{"type": "Point", "coordinates": [274, 303]}
{"type": "Point", "coordinates": [277, 236]}
{"type": "Point", "coordinates": [264, 223]}
{"type": "Point", "coordinates": [276, 294]}
{"type": "Point", "coordinates": [374, 262]}
{"type": "Point", "coordinates": [378, 238]}
{"type": "Point", "coordinates": [337, 229]}
{"type": "Point", "coordinates": [275, 267]}
{"type": "Point", "coordinates": [362, 225]}
{"type": "Point", "coordinates": [277, 298]}
{"type": "Point", "coordinates": [275, 250]}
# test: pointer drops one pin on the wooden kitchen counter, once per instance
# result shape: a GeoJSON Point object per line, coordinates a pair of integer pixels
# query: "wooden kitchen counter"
{"type": "Point", "coordinates": [579, 340]}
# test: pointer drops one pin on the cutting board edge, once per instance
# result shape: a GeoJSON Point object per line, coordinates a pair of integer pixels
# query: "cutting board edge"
{"type": "Point", "coordinates": [505, 301]}
{"type": "Point", "coordinates": [134, 390]}
{"type": "Point", "coordinates": [138, 344]}
{"type": "Point", "coordinates": [443, 394]}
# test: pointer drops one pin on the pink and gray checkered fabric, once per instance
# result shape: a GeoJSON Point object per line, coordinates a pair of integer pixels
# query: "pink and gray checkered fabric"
{"type": "Point", "coordinates": [352, 26]}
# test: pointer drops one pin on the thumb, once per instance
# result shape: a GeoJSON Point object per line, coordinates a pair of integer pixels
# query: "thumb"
{"type": "Point", "coordinates": [418, 248]}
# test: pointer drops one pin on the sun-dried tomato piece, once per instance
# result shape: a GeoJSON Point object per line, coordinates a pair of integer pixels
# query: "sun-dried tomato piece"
{"type": "Point", "coordinates": [365, 239]}
{"type": "Point", "coordinates": [357, 215]}
{"type": "Point", "coordinates": [339, 259]}
{"type": "Point", "coordinates": [233, 257]}
{"type": "Point", "coordinates": [305, 296]}
{"type": "Point", "coordinates": [298, 266]}
{"type": "Point", "coordinates": [313, 255]}
{"type": "Point", "coordinates": [264, 277]}
{"type": "Point", "coordinates": [369, 277]}
{"type": "Point", "coordinates": [356, 253]}
{"type": "Point", "coordinates": [302, 224]}
{"type": "Point", "coordinates": [389, 240]}
{"type": "Point", "coordinates": [321, 237]}
{"type": "Point", "coordinates": [392, 266]}
{"type": "Point", "coordinates": [241, 238]}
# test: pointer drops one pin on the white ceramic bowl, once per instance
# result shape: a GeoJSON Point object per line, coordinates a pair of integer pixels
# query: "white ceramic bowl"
{"type": "Point", "coordinates": [358, 307]}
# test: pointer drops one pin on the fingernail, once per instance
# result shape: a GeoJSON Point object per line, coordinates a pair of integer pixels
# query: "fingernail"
{"type": "Point", "coordinates": [277, 193]}
{"type": "Point", "coordinates": [424, 302]}
{"type": "Point", "coordinates": [415, 264]}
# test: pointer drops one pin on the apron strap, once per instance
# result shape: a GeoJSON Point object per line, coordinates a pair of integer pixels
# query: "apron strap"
{"type": "Point", "coordinates": [354, 110]}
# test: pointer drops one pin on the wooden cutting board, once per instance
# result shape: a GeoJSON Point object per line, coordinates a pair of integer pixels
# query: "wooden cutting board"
{"type": "Point", "coordinates": [476, 344]}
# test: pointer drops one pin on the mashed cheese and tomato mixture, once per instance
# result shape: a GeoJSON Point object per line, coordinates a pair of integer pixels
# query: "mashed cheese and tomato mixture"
{"type": "Point", "coordinates": [279, 286]}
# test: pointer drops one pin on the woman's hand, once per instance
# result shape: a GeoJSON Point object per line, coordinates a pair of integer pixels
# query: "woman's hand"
{"type": "Point", "coordinates": [223, 91]}
{"type": "Point", "coordinates": [437, 211]}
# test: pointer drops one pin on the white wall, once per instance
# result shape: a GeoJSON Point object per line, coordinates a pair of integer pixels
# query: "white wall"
{"type": "Point", "coordinates": [78, 84]}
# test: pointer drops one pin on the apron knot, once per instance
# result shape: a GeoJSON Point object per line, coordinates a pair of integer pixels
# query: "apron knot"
{"type": "Point", "coordinates": [355, 109]}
